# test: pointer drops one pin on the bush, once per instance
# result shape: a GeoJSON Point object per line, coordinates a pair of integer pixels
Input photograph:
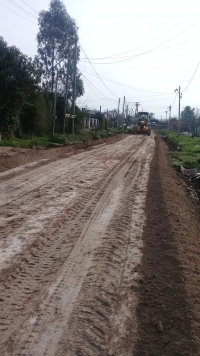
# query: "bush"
{"type": "Point", "coordinates": [95, 135]}
{"type": "Point", "coordinates": [61, 139]}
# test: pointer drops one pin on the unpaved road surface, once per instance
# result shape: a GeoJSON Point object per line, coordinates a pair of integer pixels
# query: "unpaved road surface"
{"type": "Point", "coordinates": [14, 157]}
{"type": "Point", "coordinates": [71, 240]}
{"type": "Point", "coordinates": [99, 254]}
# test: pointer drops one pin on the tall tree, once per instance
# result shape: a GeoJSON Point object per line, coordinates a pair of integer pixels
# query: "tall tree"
{"type": "Point", "coordinates": [57, 33]}
{"type": "Point", "coordinates": [18, 80]}
{"type": "Point", "coordinates": [188, 114]}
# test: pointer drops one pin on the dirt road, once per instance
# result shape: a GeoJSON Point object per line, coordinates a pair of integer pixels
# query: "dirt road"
{"type": "Point", "coordinates": [99, 254]}
{"type": "Point", "coordinates": [71, 241]}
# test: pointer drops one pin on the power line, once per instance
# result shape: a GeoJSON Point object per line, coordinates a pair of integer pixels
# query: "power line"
{"type": "Point", "coordinates": [103, 99]}
{"type": "Point", "coordinates": [161, 49]}
{"type": "Point", "coordinates": [153, 51]}
{"type": "Point", "coordinates": [29, 6]}
{"type": "Point", "coordinates": [22, 9]}
{"type": "Point", "coordinates": [94, 86]}
{"type": "Point", "coordinates": [17, 14]}
{"type": "Point", "coordinates": [176, 45]}
{"type": "Point", "coordinates": [13, 3]}
{"type": "Point", "coordinates": [148, 101]}
{"type": "Point", "coordinates": [98, 74]}
{"type": "Point", "coordinates": [133, 49]}
{"type": "Point", "coordinates": [128, 86]}
{"type": "Point", "coordinates": [34, 5]}
{"type": "Point", "coordinates": [140, 54]}
{"type": "Point", "coordinates": [191, 78]}
{"type": "Point", "coordinates": [116, 55]}
{"type": "Point", "coordinates": [174, 100]}
{"type": "Point", "coordinates": [28, 13]}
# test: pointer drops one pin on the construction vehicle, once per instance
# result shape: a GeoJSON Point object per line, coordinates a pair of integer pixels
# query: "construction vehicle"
{"type": "Point", "coordinates": [142, 126]}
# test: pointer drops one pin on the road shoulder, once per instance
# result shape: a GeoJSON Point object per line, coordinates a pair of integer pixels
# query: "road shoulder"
{"type": "Point", "coordinates": [169, 308]}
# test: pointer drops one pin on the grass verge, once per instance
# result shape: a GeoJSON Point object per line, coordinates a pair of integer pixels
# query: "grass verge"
{"type": "Point", "coordinates": [57, 139]}
{"type": "Point", "coordinates": [184, 150]}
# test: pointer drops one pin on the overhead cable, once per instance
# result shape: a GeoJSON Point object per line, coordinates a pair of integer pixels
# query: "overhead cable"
{"type": "Point", "coordinates": [128, 86]}
{"type": "Point", "coordinates": [18, 14]}
{"type": "Point", "coordinates": [93, 85]}
{"type": "Point", "coordinates": [98, 74]}
{"type": "Point", "coordinates": [191, 78]}
{"type": "Point", "coordinates": [13, 3]}
{"type": "Point", "coordinates": [140, 54]}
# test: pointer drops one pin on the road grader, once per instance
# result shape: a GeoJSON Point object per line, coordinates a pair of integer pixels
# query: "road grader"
{"type": "Point", "coordinates": [142, 126]}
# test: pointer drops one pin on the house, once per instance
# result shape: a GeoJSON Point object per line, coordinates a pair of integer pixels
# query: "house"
{"type": "Point", "coordinates": [184, 125]}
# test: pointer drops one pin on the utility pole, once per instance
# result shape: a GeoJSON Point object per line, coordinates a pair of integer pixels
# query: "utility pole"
{"type": "Point", "coordinates": [66, 89]}
{"type": "Point", "coordinates": [170, 108]}
{"type": "Point", "coordinates": [123, 110]}
{"type": "Point", "coordinates": [126, 115]}
{"type": "Point", "coordinates": [118, 121]}
{"type": "Point", "coordinates": [179, 107]}
{"type": "Point", "coordinates": [124, 104]}
{"type": "Point", "coordinates": [166, 114]}
{"type": "Point", "coordinates": [55, 100]}
{"type": "Point", "coordinates": [118, 106]}
{"type": "Point", "coordinates": [100, 109]}
{"type": "Point", "coordinates": [74, 85]}
{"type": "Point", "coordinates": [136, 108]}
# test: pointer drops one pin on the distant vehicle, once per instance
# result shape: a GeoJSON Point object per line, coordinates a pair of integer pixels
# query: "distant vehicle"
{"type": "Point", "coordinates": [143, 126]}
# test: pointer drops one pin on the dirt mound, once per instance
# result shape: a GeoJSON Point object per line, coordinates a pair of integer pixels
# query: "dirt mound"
{"type": "Point", "coordinates": [169, 307]}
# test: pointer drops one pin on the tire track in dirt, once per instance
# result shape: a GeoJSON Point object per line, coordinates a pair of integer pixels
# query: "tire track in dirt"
{"type": "Point", "coordinates": [28, 280]}
{"type": "Point", "coordinates": [103, 320]}
{"type": "Point", "coordinates": [65, 274]}
{"type": "Point", "coordinates": [45, 207]}
{"type": "Point", "coordinates": [16, 161]}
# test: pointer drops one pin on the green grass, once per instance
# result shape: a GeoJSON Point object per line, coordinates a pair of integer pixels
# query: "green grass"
{"type": "Point", "coordinates": [45, 141]}
{"type": "Point", "coordinates": [186, 150]}
{"type": "Point", "coordinates": [25, 143]}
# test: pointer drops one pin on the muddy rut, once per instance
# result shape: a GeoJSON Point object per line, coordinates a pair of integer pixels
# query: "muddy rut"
{"type": "Point", "coordinates": [71, 241]}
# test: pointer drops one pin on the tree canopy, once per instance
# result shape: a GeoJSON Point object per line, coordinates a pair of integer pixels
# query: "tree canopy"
{"type": "Point", "coordinates": [27, 86]}
{"type": "Point", "coordinates": [56, 37]}
{"type": "Point", "coordinates": [18, 80]}
{"type": "Point", "coordinates": [188, 114]}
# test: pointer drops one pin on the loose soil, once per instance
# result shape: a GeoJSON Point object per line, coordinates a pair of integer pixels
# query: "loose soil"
{"type": "Point", "coordinates": [99, 253]}
{"type": "Point", "coordinates": [169, 301]}
{"type": "Point", "coordinates": [14, 157]}
{"type": "Point", "coordinates": [71, 240]}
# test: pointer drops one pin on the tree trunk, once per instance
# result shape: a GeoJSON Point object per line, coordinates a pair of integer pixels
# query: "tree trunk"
{"type": "Point", "coordinates": [52, 70]}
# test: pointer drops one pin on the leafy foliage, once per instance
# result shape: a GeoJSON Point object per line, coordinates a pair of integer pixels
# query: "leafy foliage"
{"type": "Point", "coordinates": [188, 114]}
{"type": "Point", "coordinates": [36, 115]}
{"type": "Point", "coordinates": [57, 33]}
{"type": "Point", "coordinates": [18, 80]}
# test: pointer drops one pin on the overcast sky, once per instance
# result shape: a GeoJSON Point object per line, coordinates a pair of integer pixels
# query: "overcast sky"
{"type": "Point", "coordinates": [169, 29]}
